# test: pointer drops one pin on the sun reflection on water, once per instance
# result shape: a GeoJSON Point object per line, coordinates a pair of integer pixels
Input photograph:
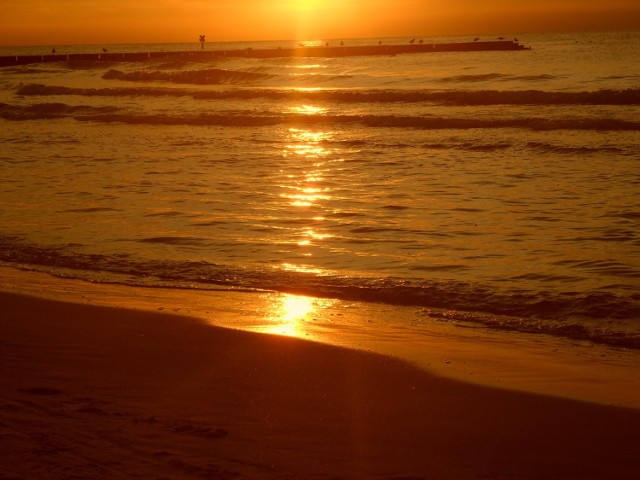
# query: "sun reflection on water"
{"type": "Point", "coordinates": [306, 197]}
{"type": "Point", "coordinates": [308, 136]}
{"type": "Point", "coordinates": [308, 145]}
{"type": "Point", "coordinates": [290, 267]}
{"type": "Point", "coordinates": [290, 313]}
{"type": "Point", "coordinates": [306, 175]}
{"type": "Point", "coordinates": [307, 110]}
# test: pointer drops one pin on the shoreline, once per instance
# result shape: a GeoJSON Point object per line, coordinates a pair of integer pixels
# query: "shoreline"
{"type": "Point", "coordinates": [533, 363]}
{"type": "Point", "coordinates": [90, 391]}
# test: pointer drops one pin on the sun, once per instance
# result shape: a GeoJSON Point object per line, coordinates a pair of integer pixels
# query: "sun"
{"type": "Point", "coordinates": [305, 5]}
{"type": "Point", "coordinates": [304, 20]}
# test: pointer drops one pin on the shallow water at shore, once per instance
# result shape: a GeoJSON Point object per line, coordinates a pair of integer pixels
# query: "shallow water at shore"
{"type": "Point", "coordinates": [445, 346]}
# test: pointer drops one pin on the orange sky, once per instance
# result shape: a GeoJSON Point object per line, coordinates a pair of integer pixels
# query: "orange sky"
{"type": "Point", "coordinates": [59, 22]}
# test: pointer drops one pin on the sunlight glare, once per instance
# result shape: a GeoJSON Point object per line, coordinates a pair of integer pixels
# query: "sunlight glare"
{"type": "Point", "coordinates": [306, 197]}
{"type": "Point", "coordinates": [306, 5]}
{"type": "Point", "coordinates": [307, 158]}
{"type": "Point", "coordinates": [303, 269]}
{"type": "Point", "coordinates": [296, 307]}
{"type": "Point", "coordinates": [307, 110]}
{"type": "Point", "coordinates": [290, 313]}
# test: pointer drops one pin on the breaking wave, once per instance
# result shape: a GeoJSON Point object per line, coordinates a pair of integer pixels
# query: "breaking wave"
{"type": "Point", "coordinates": [516, 310]}
{"type": "Point", "coordinates": [447, 97]}
{"type": "Point", "coordinates": [112, 115]}
{"type": "Point", "coordinates": [212, 76]}
{"type": "Point", "coordinates": [45, 111]}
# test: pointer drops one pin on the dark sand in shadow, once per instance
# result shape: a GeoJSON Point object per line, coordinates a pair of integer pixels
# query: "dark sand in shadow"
{"type": "Point", "coordinates": [93, 392]}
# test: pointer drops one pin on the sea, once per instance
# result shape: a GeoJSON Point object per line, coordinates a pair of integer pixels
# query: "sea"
{"type": "Point", "coordinates": [498, 188]}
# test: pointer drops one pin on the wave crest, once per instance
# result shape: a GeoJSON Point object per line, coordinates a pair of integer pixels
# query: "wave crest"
{"type": "Point", "coordinates": [445, 97]}
{"type": "Point", "coordinates": [211, 76]}
{"type": "Point", "coordinates": [112, 115]}
{"type": "Point", "coordinates": [44, 111]}
{"type": "Point", "coordinates": [580, 316]}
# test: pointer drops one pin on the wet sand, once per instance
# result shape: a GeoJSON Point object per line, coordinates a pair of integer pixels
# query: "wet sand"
{"type": "Point", "coordinates": [97, 392]}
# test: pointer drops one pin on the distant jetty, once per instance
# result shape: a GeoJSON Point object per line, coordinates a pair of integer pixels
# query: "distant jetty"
{"type": "Point", "coordinates": [300, 51]}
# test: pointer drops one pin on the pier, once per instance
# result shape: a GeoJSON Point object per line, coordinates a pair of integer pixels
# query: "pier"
{"type": "Point", "coordinates": [302, 52]}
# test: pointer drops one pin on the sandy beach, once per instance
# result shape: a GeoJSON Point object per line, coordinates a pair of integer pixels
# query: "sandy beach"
{"type": "Point", "coordinates": [108, 392]}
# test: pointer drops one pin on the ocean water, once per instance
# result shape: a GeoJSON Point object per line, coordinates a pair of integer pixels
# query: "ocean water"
{"type": "Point", "coordinates": [498, 188]}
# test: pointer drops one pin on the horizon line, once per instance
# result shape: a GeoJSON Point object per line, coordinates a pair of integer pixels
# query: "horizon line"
{"type": "Point", "coordinates": [196, 42]}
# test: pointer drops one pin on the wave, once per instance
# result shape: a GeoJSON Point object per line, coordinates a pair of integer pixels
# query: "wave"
{"type": "Point", "coordinates": [534, 78]}
{"type": "Point", "coordinates": [211, 76]}
{"type": "Point", "coordinates": [628, 215]}
{"type": "Point", "coordinates": [316, 78]}
{"type": "Point", "coordinates": [608, 267]}
{"type": "Point", "coordinates": [382, 121]}
{"type": "Point", "coordinates": [496, 77]}
{"type": "Point", "coordinates": [536, 97]}
{"type": "Point", "coordinates": [35, 89]}
{"type": "Point", "coordinates": [442, 97]}
{"type": "Point", "coordinates": [474, 147]}
{"type": "Point", "coordinates": [542, 147]}
{"type": "Point", "coordinates": [537, 147]}
{"type": "Point", "coordinates": [175, 240]}
{"type": "Point", "coordinates": [45, 111]}
{"type": "Point", "coordinates": [112, 115]}
{"type": "Point", "coordinates": [585, 316]}
{"type": "Point", "coordinates": [474, 78]}
{"type": "Point", "coordinates": [91, 210]}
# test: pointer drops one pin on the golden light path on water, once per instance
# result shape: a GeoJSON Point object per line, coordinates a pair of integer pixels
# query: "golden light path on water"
{"type": "Point", "coordinates": [304, 191]}
{"type": "Point", "coordinates": [306, 146]}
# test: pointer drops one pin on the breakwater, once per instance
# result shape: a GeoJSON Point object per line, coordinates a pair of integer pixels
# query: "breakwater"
{"type": "Point", "coordinates": [301, 51]}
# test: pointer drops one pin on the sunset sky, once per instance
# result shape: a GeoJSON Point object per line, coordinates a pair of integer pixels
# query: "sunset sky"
{"type": "Point", "coordinates": [48, 22]}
